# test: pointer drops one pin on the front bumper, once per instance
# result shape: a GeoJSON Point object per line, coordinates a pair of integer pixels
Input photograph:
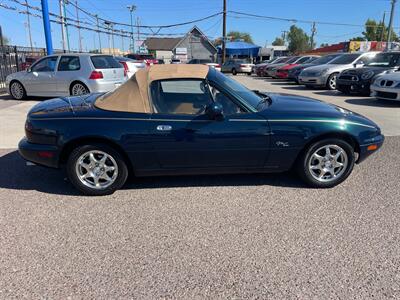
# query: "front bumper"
{"type": "Point", "coordinates": [365, 152]}
{"type": "Point", "coordinates": [44, 155]}
{"type": "Point", "coordinates": [359, 87]}
{"type": "Point", "coordinates": [385, 93]}
{"type": "Point", "coordinates": [282, 74]}
{"type": "Point", "coordinates": [313, 80]}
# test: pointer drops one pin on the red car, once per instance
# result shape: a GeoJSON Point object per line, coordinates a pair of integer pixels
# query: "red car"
{"type": "Point", "coordinates": [148, 59]}
{"type": "Point", "coordinates": [283, 72]}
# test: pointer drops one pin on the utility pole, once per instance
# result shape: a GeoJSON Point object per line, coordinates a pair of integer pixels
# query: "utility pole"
{"type": "Point", "coordinates": [79, 26]}
{"type": "Point", "coordinates": [64, 43]}
{"type": "Point", "coordinates": [224, 32]}
{"type": "Point", "coordinates": [65, 2]}
{"type": "Point", "coordinates": [138, 32]}
{"type": "Point", "coordinates": [313, 31]}
{"type": "Point", "coordinates": [112, 37]}
{"type": "Point", "coordinates": [122, 40]}
{"type": "Point", "coordinates": [29, 24]}
{"type": "Point", "coordinates": [131, 9]}
{"type": "Point", "coordinates": [383, 29]}
{"type": "Point", "coordinates": [98, 31]}
{"type": "Point", "coordinates": [1, 37]}
{"type": "Point", "coordinates": [391, 24]}
{"type": "Point", "coordinates": [109, 38]}
{"type": "Point", "coordinates": [284, 32]}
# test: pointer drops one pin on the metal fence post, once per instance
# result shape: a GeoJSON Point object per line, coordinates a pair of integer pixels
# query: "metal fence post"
{"type": "Point", "coordinates": [16, 57]}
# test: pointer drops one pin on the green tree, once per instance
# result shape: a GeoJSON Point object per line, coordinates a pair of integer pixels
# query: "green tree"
{"type": "Point", "coordinates": [237, 35]}
{"type": "Point", "coordinates": [298, 40]}
{"type": "Point", "coordinates": [375, 31]}
{"type": "Point", "coordinates": [324, 45]}
{"type": "Point", "coordinates": [278, 42]}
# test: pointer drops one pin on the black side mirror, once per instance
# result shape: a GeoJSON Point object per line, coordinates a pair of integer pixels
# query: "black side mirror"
{"type": "Point", "coordinates": [215, 111]}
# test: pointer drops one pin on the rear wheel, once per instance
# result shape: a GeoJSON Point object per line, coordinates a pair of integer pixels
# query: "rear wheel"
{"type": "Point", "coordinates": [17, 90]}
{"type": "Point", "coordinates": [344, 90]}
{"type": "Point", "coordinates": [331, 83]}
{"type": "Point", "coordinates": [326, 163]}
{"type": "Point", "coordinates": [78, 89]}
{"type": "Point", "coordinates": [234, 72]}
{"type": "Point", "coordinates": [96, 170]}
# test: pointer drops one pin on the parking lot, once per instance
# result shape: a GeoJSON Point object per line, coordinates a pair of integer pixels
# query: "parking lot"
{"type": "Point", "coordinates": [235, 236]}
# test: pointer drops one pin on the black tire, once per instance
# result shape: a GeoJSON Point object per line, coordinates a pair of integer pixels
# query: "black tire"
{"type": "Point", "coordinates": [17, 96]}
{"type": "Point", "coordinates": [81, 85]}
{"type": "Point", "coordinates": [329, 84]}
{"type": "Point", "coordinates": [303, 160]}
{"type": "Point", "coordinates": [234, 72]}
{"type": "Point", "coordinates": [249, 74]}
{"type": "Point", "coordinates": [309, 86]}
{"type": "Point", "coordinates": [119, 181]}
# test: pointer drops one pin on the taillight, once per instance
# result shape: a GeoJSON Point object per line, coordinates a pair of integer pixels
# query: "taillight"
{"type": "Point", "coordinates": [218, 66]}
{"type": "Point", "coordinates": [243, 66]}
{"type": "Point", "coordinates": [96, 75]}
{"type": "Point", "coordinates": [126, 69]}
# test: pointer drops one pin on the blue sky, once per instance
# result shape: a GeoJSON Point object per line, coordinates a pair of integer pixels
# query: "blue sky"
{"type": "Point", "coordinates": [161, 12]}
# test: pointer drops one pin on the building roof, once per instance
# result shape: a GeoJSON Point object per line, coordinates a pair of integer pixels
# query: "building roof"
{"type": "Point", "coordinates": [169, 44]}
{"type": "Point", "coordinates": [161, 43]}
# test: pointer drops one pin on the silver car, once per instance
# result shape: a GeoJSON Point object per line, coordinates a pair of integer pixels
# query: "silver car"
{"type": "Point", "coordinates": [325, 75]}
{"type": "Point", "coordinates": [67, 74]}
{"type": "Point", "coordinates": [236, 66]}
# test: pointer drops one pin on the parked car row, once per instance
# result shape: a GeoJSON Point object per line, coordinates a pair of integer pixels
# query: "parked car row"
{"type": "Point", "coordinates": [369, 73]}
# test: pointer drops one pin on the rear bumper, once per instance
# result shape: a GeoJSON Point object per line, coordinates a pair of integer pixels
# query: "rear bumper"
{"type": "Point", "coordinates": [364, 152]}
{"type": "Point", "coordinates": [44, 155]}
{"type": "Point", "coordinates": [101, 86]}
{"type": "Point", "coordinates": [244, 70]}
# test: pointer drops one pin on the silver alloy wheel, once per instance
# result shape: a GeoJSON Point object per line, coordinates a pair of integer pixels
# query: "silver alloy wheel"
{"type": "Point", "coordinates": [96, 169]}
{"type": "Point", "coordinates": [79, 89]}
{"type": "Point", "coordinates": [17, 90]}
{"type": "Point", "coordinates": [328, 163]}
{"type": "Point", "coordinates": [332, 82]}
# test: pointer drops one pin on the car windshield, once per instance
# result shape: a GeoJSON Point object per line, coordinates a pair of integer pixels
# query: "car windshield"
{"type": "Point", "coordinates": [385, 60]}
{"type": "Point", "coordinates": [345, 59]}
{"type": "Point", "coordinates": [281, 60]}
{"type": "Point", "coordinates": [234, 87]}
{"type": "Point", "coordinates": [325, 59]}
{"type": "Point", "coordinates": [292, 60]}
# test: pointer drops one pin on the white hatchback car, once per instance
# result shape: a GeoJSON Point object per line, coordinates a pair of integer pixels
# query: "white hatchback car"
{"type": "Point", "coordinates": [386, 87]}
{"type": "Point", "coordinates": [67, 74]}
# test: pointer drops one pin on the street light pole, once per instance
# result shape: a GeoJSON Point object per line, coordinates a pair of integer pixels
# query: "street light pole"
{"type": "Point", "coordinates": [131, 9]}
{"type": "Point", "coordinates": [64, 43]}
{"type": "Point", "coordinates": [79, 26]}
{"type": "Point", "coordinates": [98, 31]}
{"type": "Point", "coordinates": [391, 24]}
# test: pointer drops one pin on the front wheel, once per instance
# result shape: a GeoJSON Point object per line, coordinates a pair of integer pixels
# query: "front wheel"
{"type": "Point", "coordinates": [331, 83]}
{"type": "Point", "coordinates": [96, 170]}
{"type": "Point", "coordinates": [326, 163]}
{"type": "Point", "coordinates": [234, 72]}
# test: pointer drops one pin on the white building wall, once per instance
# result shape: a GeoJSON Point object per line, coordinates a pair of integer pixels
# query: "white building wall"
{"type": "Point", "coordinates": [165, 55]}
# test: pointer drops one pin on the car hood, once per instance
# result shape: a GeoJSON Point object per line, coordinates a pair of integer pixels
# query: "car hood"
{"type": "Point", "coordinates": [63, 106]}
{"type": "Point", "coordinates": [376, 70]}
{"type": "Point", "coordinates": [329, 68]}
{"type": "Point", "coordinates": [286, 106]}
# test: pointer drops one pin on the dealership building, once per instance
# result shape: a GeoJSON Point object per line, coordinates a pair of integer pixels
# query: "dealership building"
{"type": "Point", "coordinates": [193, 45]}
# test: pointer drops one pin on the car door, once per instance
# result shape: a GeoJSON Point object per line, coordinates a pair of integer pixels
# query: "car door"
{"type": "Point", "coordinates": [184, 136]}
{"type": "Point", "coordinates": [68, 70]}
{"type": "Point", "coordinates": [226, 66]}
{"type": "Point", "coordinates": [40, 79]}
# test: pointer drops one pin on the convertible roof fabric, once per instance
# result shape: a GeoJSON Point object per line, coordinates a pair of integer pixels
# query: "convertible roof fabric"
{"type": "Point", "coordinates": [133, 96]}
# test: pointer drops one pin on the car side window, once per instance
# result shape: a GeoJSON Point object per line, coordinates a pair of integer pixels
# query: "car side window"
{"type": "Point", "coordinates": [182, 96]}
{"type": "Point", "coordinates": [47, 64]}
{"type": "Point", "coordinates": [229, 106]}
{"type": "Point", "coordinates": [69, 63]}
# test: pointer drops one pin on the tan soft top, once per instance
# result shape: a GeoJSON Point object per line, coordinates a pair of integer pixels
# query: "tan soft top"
{"type": "Point", "coordinates": [132, 96]}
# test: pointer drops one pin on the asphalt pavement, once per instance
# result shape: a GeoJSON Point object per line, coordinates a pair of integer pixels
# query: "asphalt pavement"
{"type": "Point", "coordinates": [230, 236]}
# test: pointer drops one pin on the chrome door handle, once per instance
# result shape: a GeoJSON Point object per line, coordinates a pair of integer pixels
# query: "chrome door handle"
{"type": "Point", "coordinates": [164, 128]}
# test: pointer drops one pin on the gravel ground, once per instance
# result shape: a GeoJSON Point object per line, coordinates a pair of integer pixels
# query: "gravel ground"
{"type": "Point", "coordinates": [242, 236]}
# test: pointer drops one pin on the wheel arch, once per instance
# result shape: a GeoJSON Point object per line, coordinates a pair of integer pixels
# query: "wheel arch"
{"type": "Point", "coordinates": [16, 80]}
{"type": "Point", "coordinates": [350, 139]}
{"type": "Point", "coordinates": [86, 140]}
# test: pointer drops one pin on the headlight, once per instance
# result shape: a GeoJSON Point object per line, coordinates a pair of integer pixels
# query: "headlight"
{"type": "Point", "coordinates": [367, 75]}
